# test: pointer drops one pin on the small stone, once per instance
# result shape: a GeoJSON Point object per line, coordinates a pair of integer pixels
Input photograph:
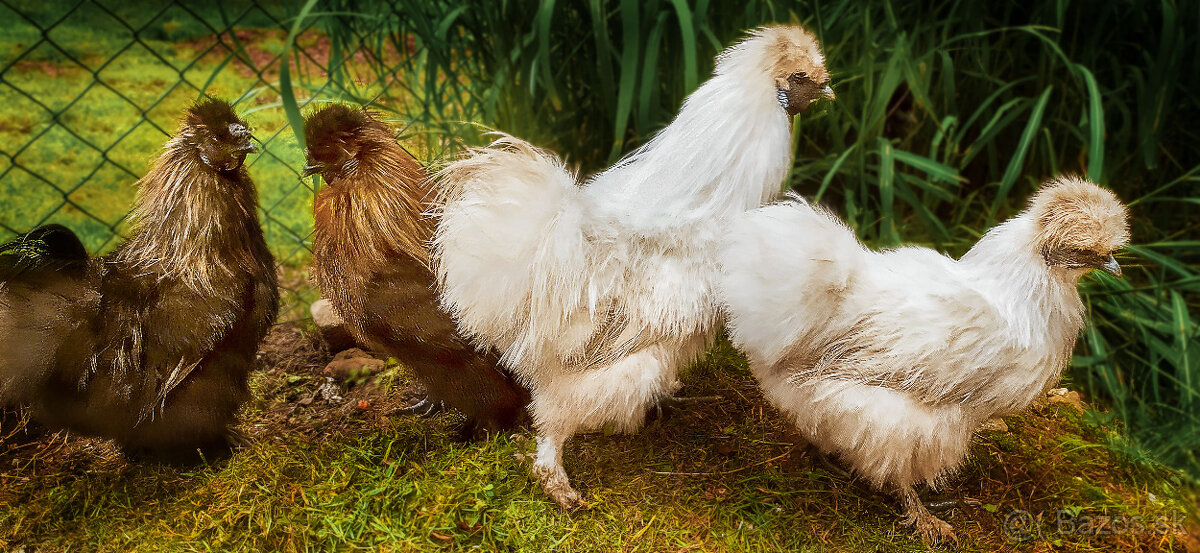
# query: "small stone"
{"type": "Point", "coordinates": [1068, 397]}
{"type": "Point", "coordinates": [324, 314]}
{"type": "Point", "coordinates": [352, 353]}
{"type": "Point", "coordinates": [994, 425]}
{"type": "Point", "coordinates": [353, 363]}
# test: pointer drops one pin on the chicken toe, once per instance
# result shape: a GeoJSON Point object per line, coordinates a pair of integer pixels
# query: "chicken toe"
{"type": "Point", "coordinates": [929, 528]}
{"type": "Point", "coordinates": [426, 407]}
{"type": "Point", "coordinates": [670, 406]}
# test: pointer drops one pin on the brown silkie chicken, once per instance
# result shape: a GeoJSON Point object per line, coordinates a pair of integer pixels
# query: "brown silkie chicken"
{"type": "Point", "coordinates": [891, 360]}
{"type": "Point", "coordinates": [152, 344]}
{"type": "Point", "coordinates": [370, 259]}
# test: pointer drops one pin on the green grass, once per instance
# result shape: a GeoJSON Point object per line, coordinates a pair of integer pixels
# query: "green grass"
{"type": "Point", "coordinates": [86, 108]}
{"type": "Point", "coordinates": [725, 475]}
{"type": "Point", "coordinates": [86, 105]}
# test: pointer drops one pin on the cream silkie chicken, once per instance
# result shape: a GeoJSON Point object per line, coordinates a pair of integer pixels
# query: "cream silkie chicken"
{"type": "Point", "coordinates": [598, 292]}
{"type": "Point", "coordinates": [891, 360]}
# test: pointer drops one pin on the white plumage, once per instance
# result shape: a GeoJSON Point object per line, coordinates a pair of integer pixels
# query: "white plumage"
{"type": "Point", "coordinates": [892, 359]}
{"type": "Point", "coordinates": [597, 294]}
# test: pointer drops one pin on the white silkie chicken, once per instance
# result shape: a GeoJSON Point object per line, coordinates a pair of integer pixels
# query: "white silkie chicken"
{"type": "Point", "coordinates": [891, 360]}
{"type": "Point", "coordinates": [597, 293]}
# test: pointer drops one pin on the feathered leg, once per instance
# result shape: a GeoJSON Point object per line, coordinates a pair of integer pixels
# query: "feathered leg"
{"type": "Point", "coordinates": [548, 469]}
{"type": "Point", "coordinates": [929, 528]}
{"type": "Point", "coordinates": [614, 397]}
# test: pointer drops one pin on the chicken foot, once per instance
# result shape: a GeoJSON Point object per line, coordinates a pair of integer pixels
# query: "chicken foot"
{"type": "Point", "coordinates": [426, 407]}
{"type": "Point", "coordinates": [548, 468]}
{"type": "Point", "coordinates": [670, 406]}
{"type": "Point", "coordinates": [929, 528]}
{"type": "Point", "coordinates": [829, 464]}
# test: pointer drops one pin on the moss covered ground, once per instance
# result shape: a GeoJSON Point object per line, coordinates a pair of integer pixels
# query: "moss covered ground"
{"type": "Point", "coordinates": [722, 475]}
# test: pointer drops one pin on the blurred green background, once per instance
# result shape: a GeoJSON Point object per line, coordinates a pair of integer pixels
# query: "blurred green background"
{"type": "Point", "coordinates": [949, 114]}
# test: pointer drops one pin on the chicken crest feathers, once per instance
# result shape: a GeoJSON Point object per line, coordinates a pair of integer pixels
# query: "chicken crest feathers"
{"type": "Point", "coordinates": [1074, 213]}
{"type": "Point", "coordinates": [219, 118]}
{"type": "Point", "coordinates": [778, 50]}
{"type": "Point", "coordinates": [335, 122]}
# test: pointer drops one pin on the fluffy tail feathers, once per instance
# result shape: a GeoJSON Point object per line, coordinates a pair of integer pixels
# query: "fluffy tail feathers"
{"type": "Point", "coordinates": [41, 291]}
{"type": "Point", "coordinates": [47, 245]}
{"type": "Point", "coordinates": [772, 260]}
{"type": "Point", "coordinates": [510, 245]}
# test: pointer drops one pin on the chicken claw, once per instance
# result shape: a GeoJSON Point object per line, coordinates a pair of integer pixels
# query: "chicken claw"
{"type": "Point", "coordinates": [929, 528]}
{"type": "Point", "coordinates": [672, 405]}
{"type": "Point", "coordinates": [426, 407]}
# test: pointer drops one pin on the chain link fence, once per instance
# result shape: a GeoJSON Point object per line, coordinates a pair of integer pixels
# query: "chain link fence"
{"type": "Point", "coordinates": [91, 89]}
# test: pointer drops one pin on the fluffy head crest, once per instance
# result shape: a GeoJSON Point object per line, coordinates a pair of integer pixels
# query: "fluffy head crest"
{"type": "Point", "coordinates": [1073, 213]}
{"type": "Point", "coordinates": [789, 55]}
{"type": "Point", "coordinates": [219, 119]}
{"type": "Point", "coordinates": [779, 51]}
{"type": "Point", "coordinates": [220, 138]}
{"type": "Point", "coordinates": [334, 122]}
{"type": "Point", "coordinates": [338, 134]}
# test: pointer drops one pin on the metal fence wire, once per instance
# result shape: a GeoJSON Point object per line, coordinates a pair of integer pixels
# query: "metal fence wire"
{"type": "Point", "coordinates": [91, 89]}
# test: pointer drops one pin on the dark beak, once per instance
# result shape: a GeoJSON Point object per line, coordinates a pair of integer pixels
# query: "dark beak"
{"type": "Point", "coordinates": [311, 169]}
{"type": "Point", "coordinates": [248, 149]}
{"type": "Point", "coordinates": [1111, 266]}
{"type": "Point", "coordinates": [828, 92]}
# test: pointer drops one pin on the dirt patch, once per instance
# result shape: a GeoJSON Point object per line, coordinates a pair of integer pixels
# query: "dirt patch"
{"type": "Point", "coordinates": [295, 394]}
{"type": "Point", "coordinates": [49, 69]}
{"type": "Point", "coordinates": [292, 396]}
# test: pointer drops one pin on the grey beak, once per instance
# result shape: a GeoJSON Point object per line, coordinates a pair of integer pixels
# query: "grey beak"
{"type": "Point", "coordinates": [1111, 266]}
{"type": "Point", "coordinates": [310, 169]}
{"type": "Point", "coordinates": [828, 92]}
{"type": "Point", "coordinates": [250, 149]}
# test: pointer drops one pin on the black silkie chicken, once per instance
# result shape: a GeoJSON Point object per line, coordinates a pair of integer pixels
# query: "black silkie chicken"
{"type": "Point", "coordinates": [152, 344]}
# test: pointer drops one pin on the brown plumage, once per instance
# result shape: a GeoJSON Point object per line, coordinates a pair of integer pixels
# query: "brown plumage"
{"type": "Point", "coordinates": [371, 260]}
{"type": "Point", "coordinates": [152, 344]}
